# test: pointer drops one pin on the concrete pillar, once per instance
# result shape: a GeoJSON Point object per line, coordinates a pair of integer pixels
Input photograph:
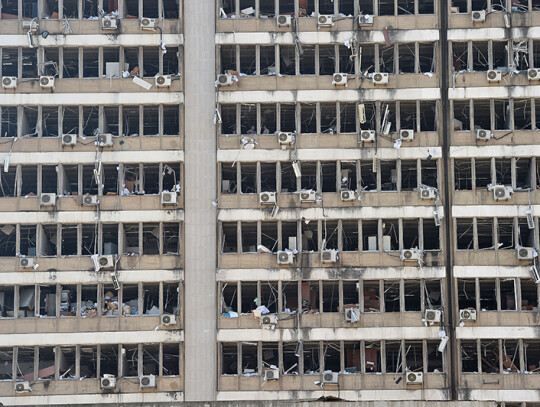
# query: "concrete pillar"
{"type": "Point", "coordinates": [200, 191]}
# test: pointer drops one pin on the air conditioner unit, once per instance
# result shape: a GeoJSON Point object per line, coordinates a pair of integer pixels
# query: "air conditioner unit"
{"type": "Point", "coordinates": [168, 198]}
{"type": "Point", "coordinates": [269, 319]}
{"type": "Point", "coordinates": [69, 139]}
{"type": "Point", "coordinates": [147, 381]}
{"type": "Point", "coordinates": [30, 25]}
{"type": "Point", "coordinates": [494, 75]}
{"type": "Point", "coordinates": [409, 255]}
{"type": "Point", "coordinates": [433, 315]}
{"type": "Point", "coordinates": [414, 377]}
{"type": "Point", "coordinates": [168, 319]}
{"type": "Point", "coordinates": [352, 314]}
{"type": "Point", "coordinates": [339, 79]}
{"type": "Point", "coordinates": [225, 79]}
{"type": "Point", "coordinates": [286, 138]}
{"type": "Point", "coordinates": [533, 74]}
{"type": "Point", "coordinates": [267, 198]}
{"type": "Point", "coordinates": [380, 78]}
{"type": "Point", "coordinates": [330, 378]}
{"type": "Point", "coordinates": [22, 387]}
{"type": "Point", "coordinates": [47, 199]}
{"type": "Point", "coordinates": [271, 374]}
{"type": "Point", "coordinates": [482, 134]}
{"type": "Point", "coordinates": [108, 381]}
{"type": "Point", "coordinates": [530, 219]}
{"type": "Point", "coordinates": [467, 314]}
{"type": "Point", "coordinates": [325, 20]}
{"type": "Point", "coordinates": [478, 16]}
{"type": "Point", "coordinates": [90, 200]}
{"type": "Point", "coordinates": [46, 81]}
{"type": "Point", "coordinates": [534, 274]}
{"type": "Point", "coordinates": [26, 262]}
{"type": "Point", "coordinates": [501, 193]}
{"type": "Point", "coordinates": [105, 140]}
{"type": "Point", "coordinates": [109, 24]}
{"type": "Point", "coordinates": [163, 81]}
{"type": "Point", "coordinates": [525, 253]}
{"type": "Point", "coordinates": [105, 262]}
{"type": "Point", "coordinates": [148, 23]}
{"type": "Point", "coordinates": [427, 193]}
{"type": "Point", "coordinates": [9, 81]}
{"type": "Point", "coordinates": [365, 20]}
{"type": "Point", "coordinates": [329, 256]}
{"type": "Point", "coordinates": [307, 196]}
{"type": "Point", "coordinates": [367, 135]}
{"type": "Point", "coordinates": [347, 195]}
{"type": "Point", "coordinates": [406, 135]}
{"type": "Point", "coordinates": [285, 257]}
{"type": "Point", "coordinates": [284, 20]}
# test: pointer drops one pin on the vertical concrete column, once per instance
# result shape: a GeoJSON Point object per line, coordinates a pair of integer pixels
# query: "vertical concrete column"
{"type": "Point", "coordinates": [200, 190]}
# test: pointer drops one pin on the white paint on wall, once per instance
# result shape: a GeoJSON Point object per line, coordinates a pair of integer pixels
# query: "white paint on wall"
{"type": "Point", "coordinates": [90, 99]}
{"type": "Point", "coordinates": [93, 399]}
{"type": "Point", "coordinates": [491, 271]}
{"type": "Point", "coordinates": [470, 211]}
{"type": "Point", "coordinates": [495, 92]}
{"type": "Point", "coordinates": [488, 151]}
{"type": "Point", "coordinates": [93, 40]}
{"type": "Point", "coordinates": [490, 332]}
{"type": "Point", "coordinates": [89, 157]}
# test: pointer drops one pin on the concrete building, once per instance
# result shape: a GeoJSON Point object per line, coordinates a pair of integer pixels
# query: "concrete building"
{"type": "Point", "coordinates": [263, 200]}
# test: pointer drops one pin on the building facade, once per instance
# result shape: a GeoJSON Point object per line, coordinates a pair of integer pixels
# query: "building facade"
{"type": "Point", "coordinates": [256, 200]}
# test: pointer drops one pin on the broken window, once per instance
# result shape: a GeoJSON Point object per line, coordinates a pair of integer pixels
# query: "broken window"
{"type": "Point", "coordinates": [408, 116]}
{"type": "Point", "coordinates": [171, 299]}
{"type": "Point", "coordinates": [462, 174]}
{"type": "Point", "coordinates": [407, 54]}
{"type": "Point", "coordinates": [289, 293]}
{"type": "Point", "coordinates": [431, 235]}
{"type": "Point", "coordinates": [480, 56]}
{"type": "Point", "coordinates": [388, 175]}
{"type": "Point", "coordinates": [288, 178]}
{"type": "Point", "coordinates": [469, 356]}
{"type": "Point", "coordinates": [7, 308]}
{"type": "Point", "coordinates": [428, 115]}
{"type": "Point", "coordinates": [391, 296]}
{"type": "Point", "coordinates": [29, 123]}
{"type": "Point", "coordinates": [70, 120]}
{"type": "Point", "coordinates": [249, 178]}
{"type": "Point", "coordinates": [9, 124]}
{"type": "Point", "coordinates": [229, 358]}
{"type": "Point", "coordinates": [327, 57]}
{"type": "Point", "coordinates": [309, 176]}
{"type": "Point", "coordinates": [110, 238]}
{"type": "Point", "coordinates": [248, 119]}
{"type": "Point", "coordinates": [349, 235]}
{"type": "Point", "coordinates": [151, 120]}
{"type": "Point", "coordinates": [412, 295]}
{"type": "Point", "coordinates": [131, 8]}
{"type": "Point", "coordinates": [489, 355]}
{"type": "Point", "coordinates": [310, 237]}
{"type": "Point", "coordinates": [488, 295]}
{"type": "Point", "coordinates": [328, 176]}
{"type": "Point", "coordinates": [249, 237]}
{"type": "Point", "coordinates": [49, 179]}
{"type": "Point", "coordinates": [25, 363]}
{"type": "Point", "coordinates": [524, 171]}
{"type": "Point", "coordinates": [307, 60]}
{"type": "Point", "coordinates": [68, 300]}
{"type": "Point", "coordinates": [269, 238]}
{"type": "Point", "coordinates": [434, 357]}
{"type": "Point", "coordinates": [268, 118]}
{"type": "Point", "coordinates": [482, 169]}
{"type": "Point", "coordinates": [346, 60]}
{"type": "Point", "coordinates": [505, 233]}
{"type": "Point", "coordinates": [466, 291]}
{"type": "Point", "coordinates": [27, 240]}
{"type": "Point", "coordinates": [270, 354]}
{"type": "Point", "coordinates": [311, 357]}
{"type": "Point", "coordinates": [414, 356]}
{"type": "Point", "coordinates": [367, 57]}
{"type": "Point", "coordinates": [410, 234]}
{"type": "Point", "coordinates": [308, 118]}
{"type": "Point", "coordinates": [372, 352]}
{"type": "Point", "coordinates": [310, 297]}
{"type": "Point", "coordinates": [347, 115]}
{"type": "Point", "coordinates": [328, 118]}
{"type": "Point", "coordinates": [6, 361]}
{"type": "Point", "coordinates": [500, 59]}
{"type": "Point", "coordinates": [90, 62]}
{"type": "Point", "coordinates": [464, 233]}
{"type": "Point", "coordinates": [248, 59]}
{"type": "Point", "coordinates": [49, 121]}
{"type": "Point", "coordinates": [269, 295]}
{"type": "Point", "coordinates": [10, 59]}
{"type": "Point", "coordinates": [229, 237]}
{"type": "Point", "coordinates": [393, 353]}
{"type": "Point", "coordinates": [461, 115]}
{"type": "Point", "coordinates": [429, 173]}
{"type": "Point", "coordinates": [511, 356]}
{"type": "Point", "coordinates": [485, 233]}
{"type": "Point", "coordinates": [330, 296]}
{"type": "Point", "coordinates": [29, 62]}
{"type": "Point", "coordinates": [47, 301]}
{"type": "Point", "coordinates": [529, 295]}
{"type": "Point", "coordinates": [287, 59]}
{"type": "Point", "coordinates": [131, 59]}
{"type": "Point", "coordinates": [27, 301]}
{"type": "Point", "coordinates": [287, 117]}
{"type": "Point", "coordinates": [290, 357]}
{"type": "Point", "coordinates": [228, 178]}
{"type": "Point", "coordinates": [502, 114]}
{"type": "Point", "coordinates": [48, 240]}
{"type": "Point", "coordinates": [482, 113]}
{"type": "Point", "coordinates": [368, 175]}
{"type": "Point", "coordinates": [268, 177]}
{"type": "Point", "coordinates": [332, 356]}
{"type": "Point", "coordinates": [170, 59]}
{"type": "Point", "coordinates": [409, 175]}
{"type": "Point", "coordinates": [288, 236]}
{"type": "Point", "coordinates": [150, 61]}
{"type": "Point", "coordinates": [130, 299]}
{"type": "Point", "coordinates": [90, 120]}
{"type": "Point", "coordinates": [386, 56]}
{"type": "Point", "coordinates": [171, 120]}
{"type": "Point", "coordinates": [228, 119]}
{"type": "Point", "coordinates": [370, 233]}
{"type": "Point", "coordinates": [250, 359]}
{"type": "Point", "coordinates": [460, 52]}
{"type": "Point", "coordinates": [150, 238]}
{"type": "Point", "coordinates": [108, 359]}
{"type": "Point", "coordinates": [171, 238]}
{"type": "Point", "coordinates": [390, 229]}
{"type": "Point", "coordinates": [507, 289]}
{"type": "Point", "coordinates": [522, 114]}
{"type": "Point", "coordinates": [88, 301]}
{"type": "Point", "coordinates": [130, 121]}
{"type": "Point", "coordinates": [267, 60]}
{"type": "Point", "coordinates": [151, 299]}
{"type": "Point", "coordinates": [8, 183]}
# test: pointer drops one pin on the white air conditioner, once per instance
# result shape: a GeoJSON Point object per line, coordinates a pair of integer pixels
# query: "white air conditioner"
{"type": "Point", "coordinates": [330, 378]}
{"type": "Point", "coordinates": [285, 257]}
{"type": "Point", "coordinates": [108, 381]}
{"type": "Point", "coordinates": [339, 79]}
{"type": "Point", "coordinates": [271, 374]}
{"type": "Point", "coordinates": [225, 79]}
{"type": "Point", "coordinates": [365, 20]}
{"type": "Point", "coordinates": [427, 193]}
{"type": "Point", "coordinates": [329, 256]}
{"type": "Point", "coordinates": [414, 377]}
{"type": "Point", "coordinates": [109, 24]}
{"type": "Point", "coordinates": [163, 81]}
{"type": "Point", "coordinates": [9, 81]}
{"type": "Point", "coordinates": [533, 74]}
{"type": "Point", "coordinates": [69, 139]}
{"type": "Point", "coordinates": [46, 81]}
{"type": "Point", "coordinates": [325, 20]}
{"type": "Point", "coordinates": [26, 262]}
{"type": "Point", "coordinates": [22, 387]}
{"type": "Point", "coordinates": [148, 23]}
{"type": "Point", "coordinates": [284, 20]}
{"type": "Point", "coordinates": [433, 315]}
{"type": "Point", "coordinates": [534, 274]}
{"type": "Point", "coordinates": [267, 198]}
{"type": "Point", "coordinates": [482, 134]}
{"type": "Point", "coordinates": [168, 319]}
{"type": "Point", "coordinates": [478, 16]}
{"type": "Point", "coordinates": [105, 262]}
{"type": "Point", "coordinates": [409, 255]}
{"type": "Point", "coordinates": [352, 314]}
{"type": "Point", "coordinates": [147, 381]}
{"type": "Point", "coordinates": [467, 314]}
{"type": "Point", "coordinates": [530, 219]}
{"type": "Point", "coordinates": [380, 78]}
{"type": "Point", "coordinates": [269, 319]}
{"type": "Point", "coordinates": [406, 135]}
{"type": "Point", "coordinates": [286, 138]}
{"type": "Point", "coordinates": [501, 193]}
{"type": "Point", "coordinates": [367, 135]}
{"type": "Point", "coordinates": [168, 198]}
{"type": "Point", "coordinates": [525, 253]}
{"type": "Point", "coordinates": [307, 195]}
{"type": "Point", "coordinates": [347, 195]}
{"type": "Point", "coordinates": [47, 199]}
{"type": "Point", "coordinates": [30, 25]}
{"type": "Point", "coordinates": [494, 75]}
{"type": "Point", "coordinates": [90, 200]}
{"type": "Point", "coordinates": [105, 140]}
